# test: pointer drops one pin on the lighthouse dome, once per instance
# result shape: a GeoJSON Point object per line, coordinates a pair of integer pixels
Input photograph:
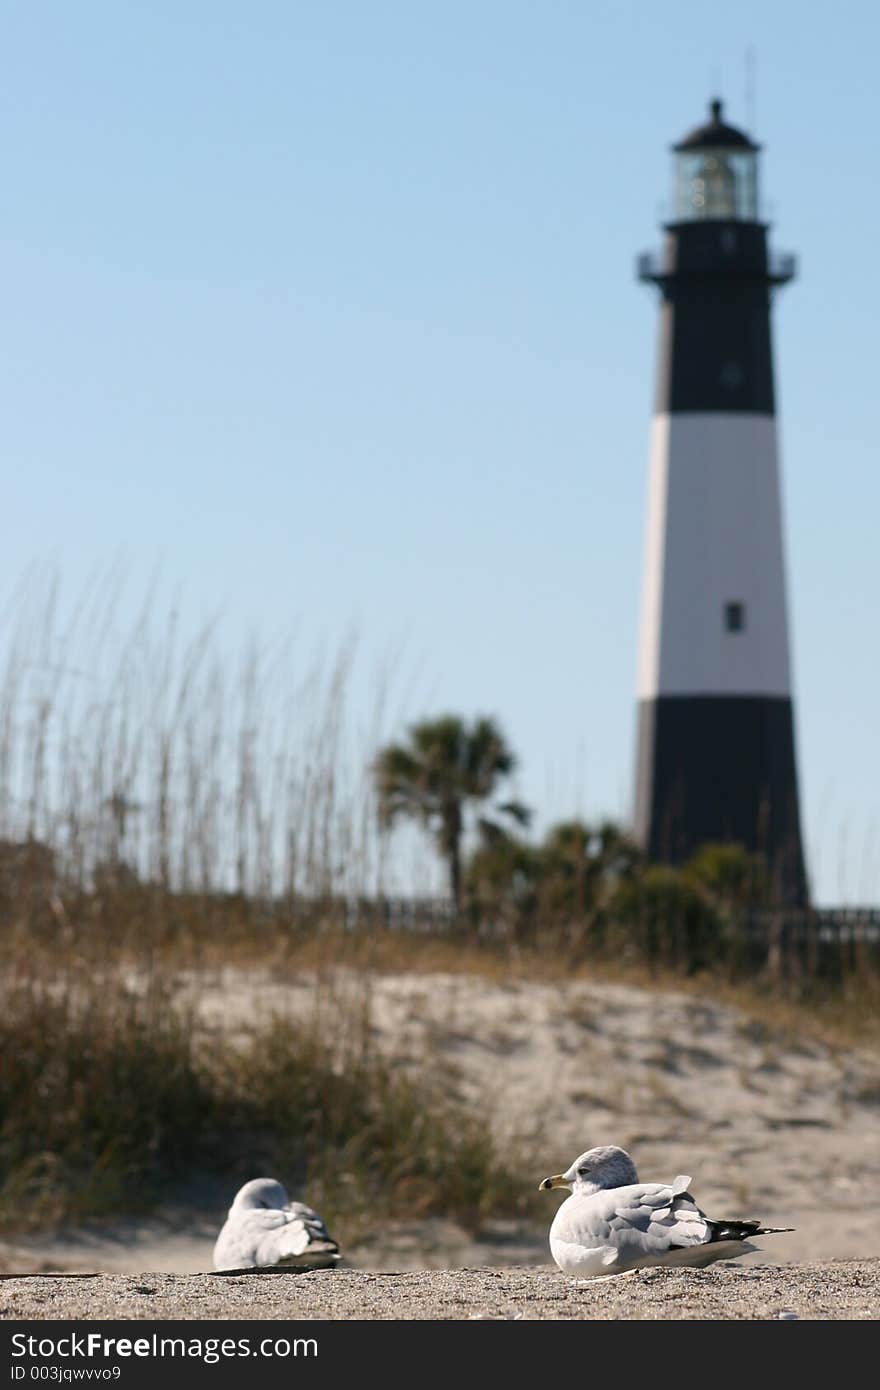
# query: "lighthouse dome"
{"type": "Point", "coordinates": [716, 173]}
{"type": "Point", "coordinates": [716, 134]}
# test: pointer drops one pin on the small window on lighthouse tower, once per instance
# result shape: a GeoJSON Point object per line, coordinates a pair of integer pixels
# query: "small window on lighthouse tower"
{"type": "Point", "coordinates": [735, 616]}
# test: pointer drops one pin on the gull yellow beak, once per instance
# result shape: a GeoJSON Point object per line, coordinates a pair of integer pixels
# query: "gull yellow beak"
{"type": "Point", "coordinates": [558, 1180]}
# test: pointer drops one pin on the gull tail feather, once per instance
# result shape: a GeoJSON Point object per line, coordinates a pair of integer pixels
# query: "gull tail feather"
{"type": "Point", "coordinates": [744, 1230]}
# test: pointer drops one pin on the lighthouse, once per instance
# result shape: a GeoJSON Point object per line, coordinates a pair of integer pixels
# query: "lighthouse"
{"type": "Point", "coordinates": [716, 745]}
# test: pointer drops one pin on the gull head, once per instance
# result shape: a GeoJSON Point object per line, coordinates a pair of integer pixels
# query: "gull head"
{"type": "Point", "coordinates": [260, 1193]}
{"type": "Point", "coordinates": [606, 1166]}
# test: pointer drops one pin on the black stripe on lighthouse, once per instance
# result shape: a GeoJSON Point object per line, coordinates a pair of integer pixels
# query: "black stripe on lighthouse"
{"type": "Point", "coordinates": [715, 320]}
{"type": "Point", "coordinates": [720, 768]}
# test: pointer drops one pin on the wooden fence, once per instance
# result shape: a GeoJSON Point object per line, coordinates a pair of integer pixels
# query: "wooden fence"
{"type": "Point", "coordinates": [824, 941]}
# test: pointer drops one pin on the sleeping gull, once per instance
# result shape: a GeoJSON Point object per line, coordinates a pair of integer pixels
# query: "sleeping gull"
{"type": "Point", "coordinates": [265, 1228]}
{"type": "Point", "coordinates": [612, 1223]}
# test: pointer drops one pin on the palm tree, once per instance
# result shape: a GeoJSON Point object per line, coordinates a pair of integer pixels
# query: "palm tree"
{"type": "Point", "coordinates": [444, 766]}
{"type": "Point", "coordinates": [584, 863]}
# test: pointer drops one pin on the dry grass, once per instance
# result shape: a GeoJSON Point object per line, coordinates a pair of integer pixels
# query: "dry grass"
{"type": "Point", "coordinates": [116, 1094]}
{"type": "Point", "coordinates": [156, 789]}
{"type": "Point", "coordinates": [133, 753]}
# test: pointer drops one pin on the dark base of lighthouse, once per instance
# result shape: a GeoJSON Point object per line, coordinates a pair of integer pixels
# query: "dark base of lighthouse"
{"type": "Point", "coordinates": [721, 768]}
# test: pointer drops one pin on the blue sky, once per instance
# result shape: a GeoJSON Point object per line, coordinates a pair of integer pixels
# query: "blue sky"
{"type": "Point", "coordinates": [328, 312]}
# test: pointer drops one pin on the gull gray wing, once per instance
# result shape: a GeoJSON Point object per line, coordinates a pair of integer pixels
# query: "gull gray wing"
{"type": "Point", "coordinates": [633, 1224]}
{"type": "Point", "coordinates": [300, 1212]}
{"type": "Point", "coordinates": [303, 1234]}
{"type": "Point", "coordinates": [653, 1218]}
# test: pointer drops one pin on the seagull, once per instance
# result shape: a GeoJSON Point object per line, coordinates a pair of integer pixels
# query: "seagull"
{"type": "Point", "coordinates": [265, 1228]}
{"type": "Point", "coordinates": [612, 1223]}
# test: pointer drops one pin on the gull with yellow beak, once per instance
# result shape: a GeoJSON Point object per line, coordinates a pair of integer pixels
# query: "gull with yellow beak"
{"type": "Point", "coordinates": [612, 1223]}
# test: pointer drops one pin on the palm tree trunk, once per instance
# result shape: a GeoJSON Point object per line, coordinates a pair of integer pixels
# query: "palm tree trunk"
{"type": "Point", "coordinates": [452, 844]}
{"type": "Point", "coordinates": [455, 873]}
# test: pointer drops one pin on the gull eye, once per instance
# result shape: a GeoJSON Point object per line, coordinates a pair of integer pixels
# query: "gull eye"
{"type": "Point", "coordinates": [583, 1170]}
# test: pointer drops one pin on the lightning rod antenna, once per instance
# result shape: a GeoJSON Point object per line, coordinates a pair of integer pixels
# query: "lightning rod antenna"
{"type": "Point", "coordinates": [751, 91]}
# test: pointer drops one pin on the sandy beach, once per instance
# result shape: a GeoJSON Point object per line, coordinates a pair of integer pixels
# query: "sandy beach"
{"type": "Point", "coordinates": [846, 1290]}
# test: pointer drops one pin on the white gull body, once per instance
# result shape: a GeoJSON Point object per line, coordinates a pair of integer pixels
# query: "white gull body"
{"type": "Point", "coordinates": [265, 1228]}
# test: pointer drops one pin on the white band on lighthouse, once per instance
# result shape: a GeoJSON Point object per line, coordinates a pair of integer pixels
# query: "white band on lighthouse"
{"type": "Point", "coordinates": [714, 601]}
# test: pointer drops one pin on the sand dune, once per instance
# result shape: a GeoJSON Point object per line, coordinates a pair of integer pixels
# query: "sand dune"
{"type": "Point", "coordinates": [782, 1128]}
